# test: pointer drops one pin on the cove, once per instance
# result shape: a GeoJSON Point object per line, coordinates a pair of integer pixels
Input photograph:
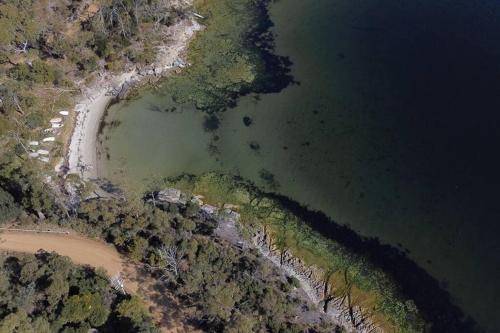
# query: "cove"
{"type": "Point", "coordinates": [392, 130]}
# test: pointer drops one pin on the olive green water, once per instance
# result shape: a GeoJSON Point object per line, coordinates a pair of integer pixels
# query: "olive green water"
{"type": "Point", "coordinates": [391, 131]}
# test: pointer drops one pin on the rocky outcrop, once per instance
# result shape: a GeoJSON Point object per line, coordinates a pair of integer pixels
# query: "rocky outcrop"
{"type": "Point", "coordinates": [170, 195]}
{"type": "Point", "coordinates": [351, 318]}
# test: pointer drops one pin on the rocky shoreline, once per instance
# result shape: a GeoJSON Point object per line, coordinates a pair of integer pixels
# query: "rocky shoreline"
{"type": "Point", "coordinates": [350, 318]}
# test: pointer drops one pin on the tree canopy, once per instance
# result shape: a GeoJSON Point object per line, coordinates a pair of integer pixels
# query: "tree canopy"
{"type": "Point", "coordinates": [47, 293]}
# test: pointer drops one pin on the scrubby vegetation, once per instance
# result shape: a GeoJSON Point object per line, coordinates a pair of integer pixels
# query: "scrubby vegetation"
{"type": "Point", "coordinates": [45, 293]}
{"type": "Point", "coordinates": [8, 208]}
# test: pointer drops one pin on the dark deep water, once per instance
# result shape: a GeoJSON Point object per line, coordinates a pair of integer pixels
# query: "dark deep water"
{"type": "Point", "coordinates": [393, 131]}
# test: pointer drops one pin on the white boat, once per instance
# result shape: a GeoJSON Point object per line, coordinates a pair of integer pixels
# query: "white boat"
{"type": "Point", "coordinates": [57, 125]}
{"type": "Point", "coordinates": [42, 152]}
{"type": "Point", "coordinates": [33, 143]}
{"type": "Point", "coordinates": [55, 120]}
{"type": "Point", "coordinates": [198, 15]}
{"type": "Point", "coordinates": [33, 155]}
{"type": "Point", "coordinates": [64, 113]}
{"type": "Point", "coordinates": [44, 159]}
{"type": "Point", "coordinates": [49, 139]}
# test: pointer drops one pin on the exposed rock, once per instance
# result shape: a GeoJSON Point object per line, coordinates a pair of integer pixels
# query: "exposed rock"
{"type": "Point", "coordinates": [210, 210]}
{"type": "Point", "coordinates": [197, 199]}
{"type": "Point", "coordinates": [227, 228]}
{"type": "Point", "coordinates": [170, 195]}
{"type": "Point", "coordinates": [229, 214]}
{"type": "Point", "coordinates": [230, 206]}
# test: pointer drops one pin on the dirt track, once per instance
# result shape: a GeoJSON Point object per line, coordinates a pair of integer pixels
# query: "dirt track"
{"type": "Point", "coordinates": [81, 250]}
{"type": "Point", "coordinates": [84, 251]}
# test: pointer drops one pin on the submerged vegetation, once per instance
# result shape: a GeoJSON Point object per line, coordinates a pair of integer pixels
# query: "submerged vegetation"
{"type": "Point", "coordinates": [349, 265]}
{"type": "Point", "coordinates": [231, 57]}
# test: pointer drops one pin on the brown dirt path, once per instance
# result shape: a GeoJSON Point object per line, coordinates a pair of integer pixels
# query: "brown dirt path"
{"type": "Point", "coordinates": [84, 251]}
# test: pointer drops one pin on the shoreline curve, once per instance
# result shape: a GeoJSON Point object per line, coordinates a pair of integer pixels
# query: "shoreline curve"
{"type": "Point", "coordinates": [81, 154]}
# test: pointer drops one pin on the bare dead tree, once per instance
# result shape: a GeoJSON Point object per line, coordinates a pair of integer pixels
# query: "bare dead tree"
{"type": "Point", "coordinates": [117, 283]}
{"type": "Point", "coordinates": [23, 48]}
{"type": "Point", "coordinates": [99, 20]}
{"type": "Point", "coordinates": [15, 99]}
{"type": "Point", "coordinates": [26, 296]}
{"type": "Point", "coordinates": [137, 10]}
{"type": "Point", "coordinates": [18, 139]}
{"type": "Point", "coordinates": [160, 11]}
{"type": "Point", "coordinates": [328, 294]}
{"type": "Point", "coordinates": [123, 18]}
{"type": "Point", "coordinates": [169, 262]}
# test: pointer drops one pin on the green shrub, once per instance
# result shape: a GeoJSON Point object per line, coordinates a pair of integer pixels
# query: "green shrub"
{"type": "Point", "coordinates": [62, 297]}
{"type": "Point", "coordinates": [21, 72]}
{"type": "Point", "coordinates": [41, 72]}
{"type": "Point", "coordinates": [33, 120]}
{"type": "Point", "coordinates": [88, 65]}
{"type": "Point", "coordinates": [8, 208]}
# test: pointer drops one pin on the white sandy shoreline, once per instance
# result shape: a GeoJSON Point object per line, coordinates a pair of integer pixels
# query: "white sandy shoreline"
{"type": "Point", "coordinates": [81, 157]}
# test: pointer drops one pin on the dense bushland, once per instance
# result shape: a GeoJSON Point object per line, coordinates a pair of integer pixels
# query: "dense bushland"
{"type": "Point", "coordinates": [45, 293]}
{"type": "Point", "coordinates": [232, 290]}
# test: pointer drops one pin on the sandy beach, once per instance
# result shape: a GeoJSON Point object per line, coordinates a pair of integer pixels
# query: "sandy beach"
{"type": "Point", "coordinates": [81, 157]}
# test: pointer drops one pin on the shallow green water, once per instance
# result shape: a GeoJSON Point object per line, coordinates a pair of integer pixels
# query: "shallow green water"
{"type": "Point", "coordinates": [392, 131]}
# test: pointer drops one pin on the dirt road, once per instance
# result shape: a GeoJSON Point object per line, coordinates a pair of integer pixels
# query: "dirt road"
{"type": "Point", "coordinates": [165, 309]}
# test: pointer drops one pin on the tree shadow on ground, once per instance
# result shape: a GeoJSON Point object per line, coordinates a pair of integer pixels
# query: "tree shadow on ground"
{"type": "Point", "coordinates": [167, 311]}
